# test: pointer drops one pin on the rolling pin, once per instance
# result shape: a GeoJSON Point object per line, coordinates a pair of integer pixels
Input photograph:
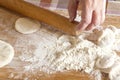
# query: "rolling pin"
{"type": "Point", "coordinates": [59, 22]}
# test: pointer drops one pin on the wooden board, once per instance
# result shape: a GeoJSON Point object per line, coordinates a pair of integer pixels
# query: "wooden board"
{"type": "Point", "coordinates": [40, 14]}
{"type": "Point", "coordinates": [8, 34]}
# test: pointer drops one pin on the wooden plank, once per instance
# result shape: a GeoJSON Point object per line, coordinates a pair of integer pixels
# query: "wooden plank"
{"type": "Point", "coordinates": [59, 22]}
{"type": "Point", "coordinates": [7, 33]}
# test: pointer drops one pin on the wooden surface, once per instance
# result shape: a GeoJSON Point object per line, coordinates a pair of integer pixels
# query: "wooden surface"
{"type": "Point", "coordinates": [8, 34]}
{"type": "Point", "coordinates": [59, 22]}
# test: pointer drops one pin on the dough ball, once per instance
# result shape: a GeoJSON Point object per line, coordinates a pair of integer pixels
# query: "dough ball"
{"type": "Point", "coordinates": [94, 36]}
{"type": "Point", "coordinates": [116, 63]}
{"type": "Point", "coordinates": [27, 26]}
{"type": "Point", "coordinates": [103, 38]}
{"type": "Point", "coordinates": [6, 53]}
{"type": "Point", "coordinates": [106, 61]}
{"type": "Point", "coordinates": [115, 72]}
{"type": "Point", "coordinates": [113, 28]}
{"type": "Point", "coordinates": [107, 38]}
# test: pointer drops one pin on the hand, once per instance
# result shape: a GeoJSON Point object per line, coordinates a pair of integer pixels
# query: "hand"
{"type": "Point", "coordinates": [93, 13]}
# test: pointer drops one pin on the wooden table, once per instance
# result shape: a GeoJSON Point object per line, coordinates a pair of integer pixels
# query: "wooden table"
{"type": "Point", "coordinates": [8, 34]}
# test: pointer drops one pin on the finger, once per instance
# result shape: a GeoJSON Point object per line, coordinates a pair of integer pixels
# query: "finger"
{"type": "Point", "coordinates": [103, 17]}
{"type": "Point", "coordinates": [103, 11]}
{"type": "Point", "coordinates": [72, 9]}
{"type": "Point", "coordinates": [86, 19]}
{"type": "Point", "coordinates": [96, 20]}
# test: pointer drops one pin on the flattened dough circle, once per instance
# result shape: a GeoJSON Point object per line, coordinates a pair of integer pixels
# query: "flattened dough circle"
{"type": "Point", "coordinates": [6, 53]}
{"type": "Point", "coordinates": [26, 25]}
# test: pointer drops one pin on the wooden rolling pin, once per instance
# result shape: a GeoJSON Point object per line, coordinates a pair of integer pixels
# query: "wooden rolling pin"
{"type": "Point", "coordinates": [57, 21]}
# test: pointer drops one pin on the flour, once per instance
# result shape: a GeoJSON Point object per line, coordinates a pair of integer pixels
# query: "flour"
{"type": "Point", "coordinates": [50, 51]}
{"type": "Point", "coordinates": [90, 52]}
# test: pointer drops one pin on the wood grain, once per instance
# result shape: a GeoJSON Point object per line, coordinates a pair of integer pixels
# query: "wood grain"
{"type": "Point", "coordinates": [7, 33]}
{"type": "Point", "coordinates": [59, 22]}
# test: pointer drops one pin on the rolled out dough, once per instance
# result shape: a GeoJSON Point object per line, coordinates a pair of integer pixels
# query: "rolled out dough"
{"type": "Point", "coordinates": [26, 25]}
{"type": "Point", "coordinates": [6, 53]}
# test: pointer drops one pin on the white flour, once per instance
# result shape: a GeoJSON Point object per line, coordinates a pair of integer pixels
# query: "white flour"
{"type": "Point", "coordinates": [71, 53]}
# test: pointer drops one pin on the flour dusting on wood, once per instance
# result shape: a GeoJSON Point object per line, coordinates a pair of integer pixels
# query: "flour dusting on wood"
{"type": "Point", "coordinates": [50, 51]}
{"type": "Point", "coordinates": [57, 52]}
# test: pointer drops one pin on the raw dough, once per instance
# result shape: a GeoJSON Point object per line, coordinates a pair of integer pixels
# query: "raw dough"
{"type": "Point", "coordinates": [6, 53]}
{"type": "Point", "coordinates": [115, 72]}
{"type": "Point", "coordinates": [27, 26]}
{"type": "Point", "coordinates": [76, 53]}
{"type": "Point", "coordinates": [107, 38]}
{"type": "Point", "coordinates": [106, 61]}
{"type": "Point", "coordinates": [103, 38]}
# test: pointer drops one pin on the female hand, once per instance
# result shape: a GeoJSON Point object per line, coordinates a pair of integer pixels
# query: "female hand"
{"type": "Point", "coordinates": [93, 13]}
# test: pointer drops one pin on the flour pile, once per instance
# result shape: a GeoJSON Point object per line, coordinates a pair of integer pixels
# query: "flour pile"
{"type": "Point", "coordinates": [92, 52]}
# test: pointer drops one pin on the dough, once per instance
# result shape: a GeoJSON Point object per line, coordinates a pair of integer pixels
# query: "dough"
{"type": "Point", "coordinates": [106, 61]}
{"type": "Point", "coordinates": [107, 38]}
{"type": "Point", "coordinates": [6, 53]}
{"type": "Point", "coordinates": [103, 38]}
{"type": "Point", "coordinates": [27, 26]}
{"type": "Point", "coordinates": [115, 72]}
{"type": "Point", "coordinates": [94, 35]}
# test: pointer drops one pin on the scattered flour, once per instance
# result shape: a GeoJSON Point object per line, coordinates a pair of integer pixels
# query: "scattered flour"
{"type": "Point", "coordinates": [92, 52]}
